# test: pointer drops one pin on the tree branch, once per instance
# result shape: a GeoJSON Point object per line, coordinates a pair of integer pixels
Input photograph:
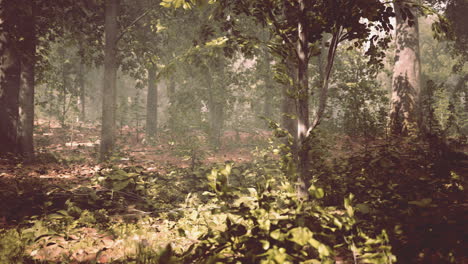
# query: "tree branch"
{"type": "Point", "coordinates": [325, 85]}
{"type": "Point", "coordinates": [132, 24]}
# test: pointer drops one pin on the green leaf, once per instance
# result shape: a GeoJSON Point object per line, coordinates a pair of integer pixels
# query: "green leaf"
{"type": "Point", "coordinates": [276, 234]}
{"type": "Point", "coordinates": [120, 185]}
{"type": "Point", "coordinates": [323, 250]}
{"type": "Point", "coordinates": [300, 235]}
{"type": "Point", "coordinates": [265, 244]}
{"type": "Point", "coordinates": [317, 192]}
{"type": "Point", "coordinates": [347, 205]}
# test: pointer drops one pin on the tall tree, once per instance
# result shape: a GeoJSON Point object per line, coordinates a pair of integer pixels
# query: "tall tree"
{"type": "Point", "coordinates": [152, 104]}
{"type": "Point", "coordinates": [406, 82]}
{"type": "Point", "coordinates": [299, 25]}
{"type": "Point", "coordinates": [9, 79]}
{"type": "Point", "coordinates": [27, 45]}
{"type": "Point", "coordinates": [81, 83]}
{"type": "Point", "coordinates": [110, 74]}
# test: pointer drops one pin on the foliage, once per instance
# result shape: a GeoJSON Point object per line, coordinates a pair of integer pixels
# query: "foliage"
{"type": "Point", "coordinates": [360, 104]}
{"type": "Point", "coordinates": [410, 189]}
{"type": "Point", "coordinates": [269, 224]}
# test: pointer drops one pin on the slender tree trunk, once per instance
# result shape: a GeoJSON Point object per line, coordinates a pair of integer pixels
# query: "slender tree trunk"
{"type": "Point", "coordinates": [303, 103]}
{"type": "Point", "coordinates": [110, 75]}
{"type": "Point", "coordinates": [322, 58]}
{"type": "Point", "coordinates": [9, 82]}
{"type": "Point", "coordinates": [63, 114]}
{"type": "Point", "coordinates": [406, 83]}
{"type": "Point", "coordinates": [152, 106]}
{"type": "Point", "coordinates": [267, 95]}
{"type": "Point", "coordinates": [82, 87]}
{"type": "Point", "coordinates": [325, 67]}
{"type": "Point", "coordinates": [216, 115]}
{"type": "Point", "coordinates": [267, 101]}
{"type": "Point", "coordinates": [216, 123]}
{"type": "Point", "coordinates": [27, 85]}
{"type": "Point", "coordinates": [171, 90]}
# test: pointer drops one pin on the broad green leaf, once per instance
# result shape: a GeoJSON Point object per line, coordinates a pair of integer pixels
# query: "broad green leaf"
{"type": "Point", "coordinates": [317, 192]}
{"type": "Point", "coordinates": [300, 235]}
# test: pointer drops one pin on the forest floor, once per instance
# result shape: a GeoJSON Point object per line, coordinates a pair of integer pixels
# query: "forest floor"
{"type": "Point", "coordinates": [66, 168]}
{"type": "Point", "coordinates": [67, 207]}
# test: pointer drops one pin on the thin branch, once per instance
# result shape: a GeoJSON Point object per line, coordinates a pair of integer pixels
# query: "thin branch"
{"type": "Point", "coordinates": [132, 24]}
{"type": "Point", "coordinates": [324, 90]}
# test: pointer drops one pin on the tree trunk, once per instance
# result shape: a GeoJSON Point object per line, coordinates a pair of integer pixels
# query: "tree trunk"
{"type": "Point", "coordinates": [27, 85]}
{"type": "Point", "coordinates": [82, 87]}
{"type": "Point", "coordinates": [406, 82]}
{"type": "Point", "coordinates": [267, 101]}
{"type": "Point", "coordinates": [303, 103]}
{"type": "Point", "coordinates": [215, 115]}
{"type": "Point", "coordinates": [216, 123]}
{"type": "Point", "coordinates": [110, 75]}
{"type": "Point", "coordinates": [9, 82]}
{"type": "Point", "coordinates": [152, 106]}
{"type": "Point", "coordinates": [267, 92]}
{"type": "Point", "coordinates": [171, 90]}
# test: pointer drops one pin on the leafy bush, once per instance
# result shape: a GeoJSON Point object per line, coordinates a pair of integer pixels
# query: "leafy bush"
{"type": "Point", "coordinates": [412, 190]}
{"type": "Point", "coordinates": [269, 224]}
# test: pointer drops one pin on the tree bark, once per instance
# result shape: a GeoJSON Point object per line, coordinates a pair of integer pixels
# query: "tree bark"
{"type": "Point", "coordinates": [303, 103]}
{"type": "Point", "coordinates": [267, 92]}
{"type": "Point", "coordinates": [152, 105]}
{"type": "Point", "coordinates": [171, 91]}
{"type": "Point", "coordinates": [27, 84]}
{"type": "Point", "coordinates": [9, 81]}
{"type": "Point", "coordinates": [267, 101]}
{"type": "Point", "coordinates": [110, 75]}
{"type": "Point", "coordinates": [82, 87]}
{"type": "Point", "coordinates": [406, 81]}
{"type": "Point", "coordinates": [216, 119]}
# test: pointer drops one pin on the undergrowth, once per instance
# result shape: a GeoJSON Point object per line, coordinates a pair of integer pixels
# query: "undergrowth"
{"type": "Point", "coordinates": [403, 202]}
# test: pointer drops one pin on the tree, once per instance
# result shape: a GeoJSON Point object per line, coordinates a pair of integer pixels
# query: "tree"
{"type": "Point", "coordinates": [299, 25]}
{"type": "Point", "coordinates": [152, 104]}
{"type": "Point", "coordinates": [10, 66]}
{"type": "Point", "coordinates": [27, 46]}
{"type": "Point", "coordinates": [109, 83]}
{"type": "Point", "coordinates": [406, 82]}
{"type": "Point", "coordinates": [142, 46]}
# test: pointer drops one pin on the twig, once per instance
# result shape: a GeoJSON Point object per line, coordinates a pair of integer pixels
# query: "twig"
{"type": "Point", "coordinates": [132, 24]}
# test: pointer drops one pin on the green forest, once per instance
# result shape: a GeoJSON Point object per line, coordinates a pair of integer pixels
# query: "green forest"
{"type": "Point", "coordinates": [234, 131]}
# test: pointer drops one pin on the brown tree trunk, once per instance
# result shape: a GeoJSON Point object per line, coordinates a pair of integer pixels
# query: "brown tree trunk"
{"type": "Point", "coordinates": [171, 90]}
{"type": "Point", "coordinates": [82, 87]}
{"type": "Point", "coordinates": [9, 81]}
{"type": "Point", "coordinates": [267, 101]}
{"type": "Point", "coordinates": [216, 123]}
{"type": "Point", "coordinates": [110, 75]}
{"type": "Point", "coordinates": [267, 91]}
{"type": "Point", "coordinates": [303, 103]}
{"type": "Point", "coordinates": [27, 85]}
{"type": "Point", "coordinates": [152, 106]}
{"type": "Point", "coordinates": [406, 83]}
{"type": "Point", "coordinates": [216, 117]}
